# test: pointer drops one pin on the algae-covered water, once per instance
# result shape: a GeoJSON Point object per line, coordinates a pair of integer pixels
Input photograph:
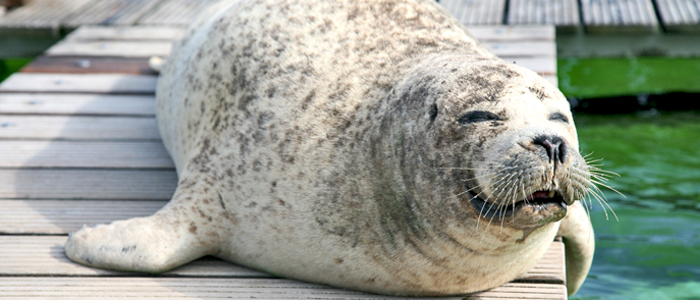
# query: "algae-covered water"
{"type": "Point", "coordinates": [653, 251]}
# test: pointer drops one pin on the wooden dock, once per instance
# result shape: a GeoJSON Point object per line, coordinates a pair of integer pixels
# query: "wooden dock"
{"type": "Point", "coordinates": [594, 16]}
{"type": "Point", "coordinates": [79, 145]}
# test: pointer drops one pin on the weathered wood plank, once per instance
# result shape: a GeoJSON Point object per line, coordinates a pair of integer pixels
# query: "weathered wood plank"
{"type": "Point", "coordinates": [74, 154]}
{"type": "Point", "coordinates": [44, 256]}
{"type": "Point", "coordinates": [64, 216]}
{"type": "Point", "coordinates": [78, 128]}
{"type": "Point", "coordinates": [517, 48]}
{"type": "Point", "coordinates": [41, 15]}
{"type": "Point", "coordinates": [80, 83]}
{"type": "Point", "coordinates": [562, 13]}
{"type": "Point", "coordinates": [163, 33]}
{"type": "Point", "coordinates": [87, 184]}
{"type": "Point", "coordinates": [513, 33]}
{"type": "Point", "coordinates": [541, 65]}
{"type": "Point", "coordinates": [474, 12]}
{"type": "Point", "coordinates": [77, 104]}
{"type": "Point", "coordinates": [680, 15]}
{"type": "Point", "coordinates": [87, 65]}
{"type": "Point", "coordinates": [220, 288]}
{"type": "Point", "coordinates": [175, 12]}
{"type": "Point", "coordinates": [147, 49]}
{"type": "Point", "coordinates": [125, 33]}
{"type": "Point", "coordinates": [621, 16]}
{"type": "Point", "coordinates": [109, 12]}
{"type": "Point", "coordinates": [111, 48]}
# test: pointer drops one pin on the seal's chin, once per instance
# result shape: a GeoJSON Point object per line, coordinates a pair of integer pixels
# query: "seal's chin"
{"type": "Point", "coordinates": [537, 209]}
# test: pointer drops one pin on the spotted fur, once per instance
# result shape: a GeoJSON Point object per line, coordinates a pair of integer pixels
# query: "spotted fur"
{"type": "Point", "coordinates": [326, 141]}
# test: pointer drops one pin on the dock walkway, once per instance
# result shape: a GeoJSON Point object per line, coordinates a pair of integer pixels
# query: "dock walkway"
{"type": "Point", "coordinates": [79, 145]}
{"type": "Point", "coordinates": [596, 16]}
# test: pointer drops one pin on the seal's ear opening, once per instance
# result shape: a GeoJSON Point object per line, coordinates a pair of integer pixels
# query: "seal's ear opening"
{"type": "Point", "coordinates": [433, 112]}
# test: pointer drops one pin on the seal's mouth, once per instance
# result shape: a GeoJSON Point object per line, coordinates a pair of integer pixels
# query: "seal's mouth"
{"type": "Point", "coordinates": [539, 206]}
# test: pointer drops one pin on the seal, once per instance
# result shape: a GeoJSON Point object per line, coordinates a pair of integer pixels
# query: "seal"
{"type": "Point", "coordinates": [369, 145]}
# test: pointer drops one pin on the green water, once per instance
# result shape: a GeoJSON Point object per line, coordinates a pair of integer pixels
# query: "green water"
{"type": "Point", "coordinates": [653, 251]}
{"type": "Point", "coordinates": [609, 77]}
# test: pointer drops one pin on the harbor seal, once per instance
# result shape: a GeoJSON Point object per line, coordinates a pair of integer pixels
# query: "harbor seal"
{"type": "Point", "coordinates": [368, 145]}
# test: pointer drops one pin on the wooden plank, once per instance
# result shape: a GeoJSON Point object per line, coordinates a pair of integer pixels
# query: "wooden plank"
{"type": "Point", "coordinates": [513, 33]}
{"type": "Point", "coordinates": [540, 65]}
{"type": "Point", "coordinates": [562, 13]}
{"type": "Point", "coordinates": [225, 288]}
{"type": "Point", "coordinates": [175, 12]}
{"type": "Point", "coordinates": [44, 255]}
{"type": "Point", "coordinates": [84, 65]}
{"type": "Point", "coordinates": [41, 15]}
{"type": "Point", "coordinates": [74, 154]}
{"type": "Point", "coordinates": [35, 256]}
{"type": "Point", "coordinates": [161, 33]}
{"type": "Point", "coordinates": [78, 128]}
{"type": "Point", "coordinates": [474, 12]}
{"type": "Point", "coordinates": [87, 184]}
{"type": "Point", "coordinates": [111, 48]}
{"type": "Point", "coordinates": [619, 16]}
{"type": "Point", "coordinates": [77, 104]}
{"type": "Point", "coordinates": [147, 49]}
{"type": "Point", "coordinates": [680, 15]}
{"type": "Point", "coordinates": [536, 48]}
{"type": "Point", "coordinates": [125, 33]}
{"type": "Point", "coordinates": [64, 216]}
{"type": "Point", "coordinates": [80, 83]}
{"type": "Point", "coordinates": [109, 12]}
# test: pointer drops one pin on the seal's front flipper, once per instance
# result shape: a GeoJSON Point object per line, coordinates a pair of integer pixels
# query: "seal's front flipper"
{"type": "Point", "coordinates": [579, 244]}
{"type": "Point", "coordinates": [154, 244]}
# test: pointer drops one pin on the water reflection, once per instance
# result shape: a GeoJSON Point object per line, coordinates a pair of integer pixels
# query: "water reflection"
{"type": "Point", "coordinates": [653, 251]}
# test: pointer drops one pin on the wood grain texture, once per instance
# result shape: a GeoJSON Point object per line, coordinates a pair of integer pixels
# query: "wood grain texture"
{"type": "Point", "coordinates": [41, 256]}
{"type": "Point", "coordinates": [44, 256]}
{"type": "Point", "coordinates": [109, 12]}
{"type": "Point", "coordinates": [111, 48]}
{"type": "Point", "coordinates": [175, 12]}
{"type": "Point", "coordinates": [37, 14]}
{"type": "Point", "coordinates": [163, 48]}
{"type": "Point", "coordinates": [225, 288]}
{"type": "Point", "coordinates": [619, 16]}
{"type": "Point", "coordinates": [80, 83]}
{"type": "Point", "coordinates": [125, 33]}
{"type": "Point", "coordinates": [475, 12]}
{"type": "Point", "coordinates": [52, 216]}
{"type": "Point", "coordinates": [562, 13]}
{"type": "Point", "coordinates": [74, 154]}
{"type": "Point", "coordinates": [78, 128]}
{"type": "Point", "coordinates": [680, 15]}
{"type": "Point", "coordinates": [165, 33]}
{"type": "Point", "coordinates": [77, 104]}
{"type": "Point", "coordinates": [88, 65]}
{"type": "Point", "coordinates": [87, 184]}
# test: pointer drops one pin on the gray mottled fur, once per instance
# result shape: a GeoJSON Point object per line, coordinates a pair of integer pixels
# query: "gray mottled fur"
{"type": "Point", "coordinates": [319, 140]}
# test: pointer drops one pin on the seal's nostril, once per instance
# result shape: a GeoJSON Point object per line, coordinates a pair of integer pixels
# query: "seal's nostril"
{"type": "Point", "coordinates": [554, 146]}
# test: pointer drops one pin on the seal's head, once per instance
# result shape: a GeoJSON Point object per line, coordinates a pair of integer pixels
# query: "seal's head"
{"type": "Point", "coordinates": [494, 135]}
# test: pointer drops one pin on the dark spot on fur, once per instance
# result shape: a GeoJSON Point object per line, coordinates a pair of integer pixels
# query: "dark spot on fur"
{"type": "Point", "coordinates": [433, 113]}
{"type": "Point", "coordinates": [193, 228]}
{"type": "Point", "coordinates": [128, 249]}
{"type": "Point", "coordinates": [538, 92]}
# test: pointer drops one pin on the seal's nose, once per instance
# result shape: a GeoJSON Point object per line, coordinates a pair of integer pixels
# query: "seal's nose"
{"type": "Point", "coordinates": [554, 146]}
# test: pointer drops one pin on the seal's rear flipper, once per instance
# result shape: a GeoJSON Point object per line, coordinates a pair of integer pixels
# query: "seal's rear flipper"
{"type": "Point", "coordinates": [579, 244]}
{"type": "Point", "coordinates": [169, 238]}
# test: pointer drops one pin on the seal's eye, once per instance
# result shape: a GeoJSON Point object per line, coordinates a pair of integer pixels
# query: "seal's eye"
{"type": "Point", "coordinates": [478, 116]}
{"type": "Point", "coordinates": [558, 117]}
